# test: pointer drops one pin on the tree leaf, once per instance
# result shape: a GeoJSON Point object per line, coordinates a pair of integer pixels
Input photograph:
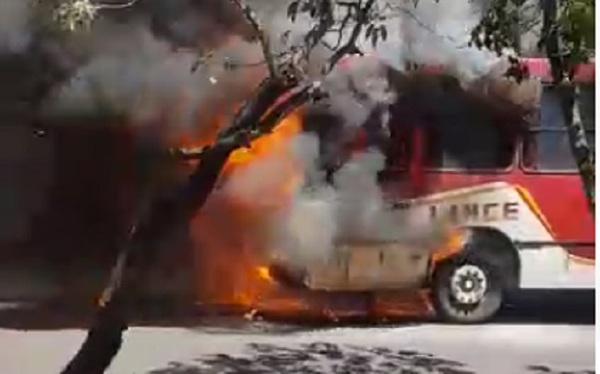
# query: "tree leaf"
{"type": "Point", "coordinates": [292, 10]}
{"type": "Point", "coordinates": [195, 65]}
{"type": "Point", "coordinates": [370, 29]}
{"type": "Point", "coordinates": [375, 38]}
{"type": "Point", "coordinates": [384, 32]}
{"type": "Point", "coordinates": [285, 37]}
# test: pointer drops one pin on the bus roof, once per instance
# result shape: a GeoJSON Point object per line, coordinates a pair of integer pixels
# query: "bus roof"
{"type": "Point", "coordinates": [538, 67]}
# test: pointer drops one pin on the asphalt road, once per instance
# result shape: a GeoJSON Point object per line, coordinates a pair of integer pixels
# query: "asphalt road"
{"type": "Point", "coordinates": [534, 337]}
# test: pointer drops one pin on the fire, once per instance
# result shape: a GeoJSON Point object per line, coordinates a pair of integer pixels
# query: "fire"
{"type": "Point", "coordinates": [263, 273]}
{"type": "Point", "coordinates": [270, 147]}
{"type": "Point", "coordinates": [232, 236]}
{"type": "Point", "coordinates": [231, 233]}
{"type": "Point", "coordinates": [452, 245]}
{"type": "Point", "coordinates": [267, 145]}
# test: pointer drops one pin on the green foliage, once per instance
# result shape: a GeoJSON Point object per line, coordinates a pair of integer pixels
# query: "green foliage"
{"type": "Point", "coordinates": [73, 15]}
{"type": "Point", "coordinates": [576, 23]}
{"type": "Point", "coordinates": [347, 21]}
{"type": "Point", "coordinates": [495, 31]}
{"type": "Point", "coordinates": [76, 15]}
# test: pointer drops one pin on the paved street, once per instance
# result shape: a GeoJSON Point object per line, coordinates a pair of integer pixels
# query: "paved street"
{"type": "Point", "coordinates": [563, 342]}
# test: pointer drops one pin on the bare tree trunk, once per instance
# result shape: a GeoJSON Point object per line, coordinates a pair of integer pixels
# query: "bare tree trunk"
{"type": "Point", "coordinates": [104, 338]}
{"type": "Point", "coordinates": [257, 117]}
{"type": "Point", "coordinates": [569, 96]}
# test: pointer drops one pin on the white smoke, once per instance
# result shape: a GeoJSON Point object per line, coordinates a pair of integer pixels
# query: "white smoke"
{"type": "Point", "coordinates": [319, 216]}
{"type": "Point", "coordinates": [423, 32]}
{"type": "Point", "coordinates": [132, 72]}
{"type": "Point", "coordinates": [439, 33]}
{"type": "Point", "coordinates": [141, 76]}
{"type": "Point", "coordinates": [356, 89]}
{"type": "Point", "coordinates": [15, 32]}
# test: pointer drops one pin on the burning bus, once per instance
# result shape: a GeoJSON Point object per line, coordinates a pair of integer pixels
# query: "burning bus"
{"type": "Point", "coordinates": [508, 194]}
{"type": "Point", "coordinates": [466, 178]}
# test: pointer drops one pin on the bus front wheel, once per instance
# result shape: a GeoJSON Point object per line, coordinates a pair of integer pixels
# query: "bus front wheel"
{"type": "Point", "coordinates": [467, 289]}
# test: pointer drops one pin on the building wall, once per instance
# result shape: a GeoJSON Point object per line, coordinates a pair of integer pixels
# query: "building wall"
{"type": "Point", "coordinates": [66, 200]}
{"type": "Point", "coordinates": [26, 162]}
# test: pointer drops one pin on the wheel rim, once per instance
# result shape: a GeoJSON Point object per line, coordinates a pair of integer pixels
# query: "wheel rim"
{"type": "Point", "coordinates": [468, 284]}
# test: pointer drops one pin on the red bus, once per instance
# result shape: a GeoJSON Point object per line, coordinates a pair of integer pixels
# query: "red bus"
{"type": "Point", "coordinates": [520, 198]}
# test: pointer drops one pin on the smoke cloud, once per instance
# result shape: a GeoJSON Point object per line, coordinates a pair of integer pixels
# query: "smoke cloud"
{"type": "Point", "coordinates": [137, 63]}
{"type": "Point", "coordinates": [137, 60]}
{"type": "Point", "coordinates": [15, 30]}
{"type": "Point", "coordinates": [352, 207]}
{"type": "Point", "coordinates": [307, 226]}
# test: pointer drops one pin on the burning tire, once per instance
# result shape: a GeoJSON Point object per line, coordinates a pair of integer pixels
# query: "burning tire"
{"type": "Point", "coordinates": [467, 289]}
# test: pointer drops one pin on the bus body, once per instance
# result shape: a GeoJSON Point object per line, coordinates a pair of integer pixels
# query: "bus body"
{"type": "Point", "coordinates": [517, 197]}
{"type": "Point", "coordinates": [528, 192]}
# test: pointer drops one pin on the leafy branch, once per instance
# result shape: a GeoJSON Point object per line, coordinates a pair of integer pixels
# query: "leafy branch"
{"type": "Point", "coordinates": [567, 39]}
{"type": "Point", "coordinates": [262, 35]}
{"type": "Point", "coordinates": [73, 15]}
{"type": "Point", "coordinates": [358, 14]}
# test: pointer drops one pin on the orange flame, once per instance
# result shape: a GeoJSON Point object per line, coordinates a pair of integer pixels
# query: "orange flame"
{"type": "Point", "coordinates": [263, 273]}
{"type": "Point", "coordinates": [452, 245]}
{"type": "Point", "coordinates": [231, 234]}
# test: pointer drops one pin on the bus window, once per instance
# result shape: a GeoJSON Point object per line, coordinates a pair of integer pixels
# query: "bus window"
{"type": "Point", "coordinates": [468, 139]}
{"type": "Point", "coordinates": [546, 147]}
{"type": "Point", "coordinates": [399, 148]}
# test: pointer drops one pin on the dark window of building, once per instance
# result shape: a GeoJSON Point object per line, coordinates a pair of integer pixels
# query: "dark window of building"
{"type": "Point", "coordinates": [546, 146]}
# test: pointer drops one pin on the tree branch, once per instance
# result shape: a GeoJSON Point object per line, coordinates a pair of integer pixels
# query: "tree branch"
{"type": "Point", "coordinates": [551, 40]}
{"type": "Point", "coordinates": [128, 4]}
{"type": "Point", "coordinates": [350, 46]}
{"type": "Point", "coordinates": [262, 36]}
{"type": "Point", "coordinates": [296, 98]}
{"type": "Point", "coordinates": [104, 338]}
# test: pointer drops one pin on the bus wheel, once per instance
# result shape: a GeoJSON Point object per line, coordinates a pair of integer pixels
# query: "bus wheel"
{"type": "Point", "coordinates": [467, 289]}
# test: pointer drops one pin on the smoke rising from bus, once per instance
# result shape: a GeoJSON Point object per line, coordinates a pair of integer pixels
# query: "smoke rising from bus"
{"type": "Point", "coordinates": [133, 69]}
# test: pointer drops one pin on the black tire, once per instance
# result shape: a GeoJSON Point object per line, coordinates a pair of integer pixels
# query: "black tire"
{"type": "Point", "coordinates": [448, 305]}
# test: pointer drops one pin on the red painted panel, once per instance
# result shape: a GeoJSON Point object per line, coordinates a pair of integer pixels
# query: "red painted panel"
{"type": "Point", "coordinates": [563, 203]}
{"type": "Point", "coordinates": [540, 67]}
{"type": "Point", "coordinates": [559, 197]}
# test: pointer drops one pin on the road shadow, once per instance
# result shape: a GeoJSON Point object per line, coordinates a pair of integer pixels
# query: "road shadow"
{"type": "Point", "coordinates": [322, 358]}
{"type": "Point", "coordinates": [572, 307]}
{"type": "Point", "coordinates": [317, 358]}
{"type": "Point", "coordinates": [542, 369]}
{"type": "Point", "coordinates": [60, 314]}
{"type": "Point", "coordinates": [529, 307]}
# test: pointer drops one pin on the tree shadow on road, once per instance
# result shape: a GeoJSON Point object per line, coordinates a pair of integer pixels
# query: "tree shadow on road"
{"type": "Point", "coordinates": [542, 369]}
{"type": "Point", "coordinates": [317, 358]}
{"type": "Point", "coordinates": [530, 307]}
{"type": "Point", "coordinates": [571, 307]}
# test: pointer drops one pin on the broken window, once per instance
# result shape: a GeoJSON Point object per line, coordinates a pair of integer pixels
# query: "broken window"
{"type": "Point", "coordinates": [463, 136]}
{"type": "Point", "coordinates": [546, 147]}
{"type": "Point", "coordinates": [399, 148]}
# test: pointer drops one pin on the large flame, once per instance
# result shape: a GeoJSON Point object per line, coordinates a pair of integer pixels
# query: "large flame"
{"type": "Point", "coordinates": [231, 233]}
